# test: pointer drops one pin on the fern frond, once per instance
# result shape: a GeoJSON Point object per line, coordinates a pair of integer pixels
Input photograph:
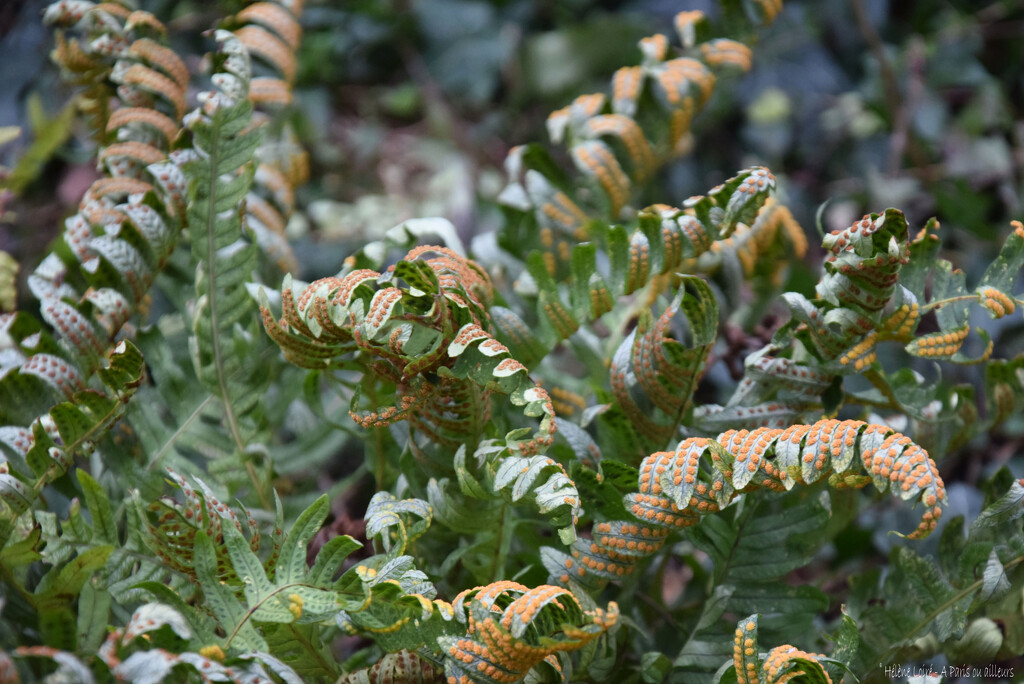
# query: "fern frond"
{"type": "Point", "coordinates": [782, 664]}
{"type": "Point", "coordinates": [404, 666]}
{"type": "Point", "coordinates": [47, 449]}
{"type": "Point", "coordinates": [172, 526]}
{"type": "Point", "coordinates": [423, 329]}
{"type": "Point", "coordinates": [676, 489]}
{"type": "Point", "coordinates": [666, 240]}
{"type": "Point", "coordinates": [974, 569]}
{"type": "Point", "coordinates": [877, 287]}
{"type": "Point", "coordinates": [512, 629]}
{"type": "Point", "coordinates": [396, 522]}
{"type": "Point", "coordinates": [660, 372]}
{"type": "Point", "coordinates": [220, 177]}
{"type": "Point", "coordinates": [125, 228]}
{"type": "Point", "coordinates": [616, 142]}
{"type": "Point", "coordinates": [620, 140]}
{"type": "Point", "coordinates": [271, 33]}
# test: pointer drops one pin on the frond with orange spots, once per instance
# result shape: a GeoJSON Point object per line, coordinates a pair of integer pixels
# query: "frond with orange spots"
{"type": "Point", "coordinates": [782, 664]}
{"type": "Point", "coordinates": [422, 329]}
{"type": "Point", "coordinates": [617, 142]}
{"type": "Point", "coordinates": [702, 476]}
{"type": "Point", "coordinates": [512, 629]}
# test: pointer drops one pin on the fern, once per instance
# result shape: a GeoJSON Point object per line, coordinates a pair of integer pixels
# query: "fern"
{"type": "Point", "coordinates": [781, 664]}
{"type": "Point", "coordinates": [220, 177]}
{"type": "Point", "coordinates": [403, 666]}
{"type": "Point", "coordinates": [427, 339]}
{"type": "Point", "coordinates": [512, 629]}
{"type": "Point", "coordinates": [554, 367]}
{"type": "Point", "coordinates": [873, 291]}
{"type": "Point", "coordinates": [616, 142]}
{"type": "Point", "coordinates": [116, 243]}
{"type": "Point", "coordinates": [976, 569]}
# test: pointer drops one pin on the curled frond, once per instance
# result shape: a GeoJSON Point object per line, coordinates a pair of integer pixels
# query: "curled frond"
{"type": "Point", "coordinates": [782, 664]}
{"type": "Point", "coordinates": [172, 526]}
{"type": "Point", "coordinates": [423, 328]}
{"type": "Point", "coordinates": [512, 629]}
{"type": "Point", "coordinates": [404, 666]}
{"type": "Point", "coordinates": [654, 375]}
{"type": "Point", "coordinates": [396, 522]}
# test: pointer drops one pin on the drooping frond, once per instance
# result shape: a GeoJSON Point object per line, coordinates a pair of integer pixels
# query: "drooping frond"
{"type": "Point", "coordinates": [423, 329]}
{"type": "Point", "coordinates": [678, 488]}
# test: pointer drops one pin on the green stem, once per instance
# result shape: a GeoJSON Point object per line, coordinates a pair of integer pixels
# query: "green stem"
{"type": "Point", "coordinates": [860, 401]}
{"type": "Point", "coordinates": [377, 436]}
{"type": "Point", "coordinates": [882, 385]}
{"type": "Point", "coordinates": [252, 610]}
{"type": "Point", "coordinates": [939, 303]}
{"type": "Point", "coordinates": [180, 431]}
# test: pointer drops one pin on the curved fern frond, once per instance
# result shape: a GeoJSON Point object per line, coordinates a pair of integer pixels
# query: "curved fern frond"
{"type": "Point", "coordinates": [579, 264]}
{"type": "Point", "coordinates": [782, 664]}
{"type": "Point", "coordinates": [403, 667]}
{"type": "Point", "coordinates": [172, 526]}
{"type": "Point", "coordinates": [125, 228]}
{"type": "Point", "coordinates": [512, 629]}
{"type": "Point", "coordinates": [396, 522]}
{"type": "Point", "coordinates": [422, 328]}
{"type": "Point", "coordinates": [702, 476]}
{"type": "Point", "coordinates": [618, 141]}
{"type": "Point", "coordinates": [878, 286]}
{"type": "Point", "coordinates": [654, 376]}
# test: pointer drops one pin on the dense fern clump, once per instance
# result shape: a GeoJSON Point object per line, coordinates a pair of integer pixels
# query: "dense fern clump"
{"type": "Point", "coordinates": [537, 421]}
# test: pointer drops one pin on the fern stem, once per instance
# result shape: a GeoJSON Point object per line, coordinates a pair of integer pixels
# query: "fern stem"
{"type": "Point", "coordinates": [861, 401]}
{"type": "Point", "coordinates": [97, 428]}
{"type": "Point", "coordinates": [949, 603]}
{"type": "Point", "coordinates": [939, 303]}
{"type": "Point", "coordinates": [258, 486]}
{"type": "Point", "coordinates": [252, 609]}
{"type": "Point", "coordinates": [882, 385]}
{"type": "Point", "coordinates": [179, 432]}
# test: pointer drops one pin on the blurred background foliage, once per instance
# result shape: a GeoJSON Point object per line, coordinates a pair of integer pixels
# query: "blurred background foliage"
{"type": "Point", "coordinates": [408, 108]}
